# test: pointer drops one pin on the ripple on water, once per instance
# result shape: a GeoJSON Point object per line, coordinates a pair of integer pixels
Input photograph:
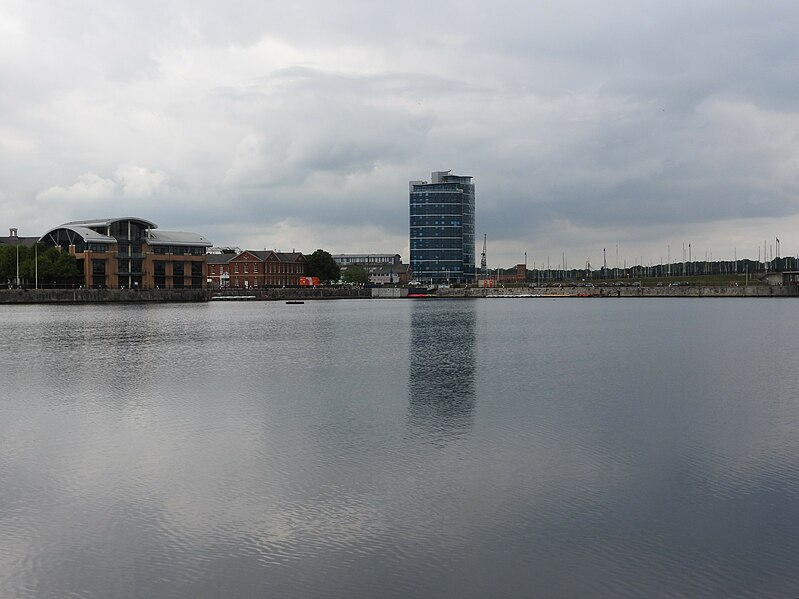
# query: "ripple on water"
{"type": "Point", "coordinates": [398, 449]}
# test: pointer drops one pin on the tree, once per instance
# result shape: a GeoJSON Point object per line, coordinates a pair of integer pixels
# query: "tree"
{"type": "Point", "coordinates": [322, 265]}
{"type": "Point", "coordinates": [52, 266]}
{"type": "Point", "coordinates": [8, 263]}
{"type": "Point", "coordinates": [356, 274]}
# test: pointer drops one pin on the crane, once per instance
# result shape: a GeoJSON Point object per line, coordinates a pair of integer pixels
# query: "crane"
{"type": "Point", "coordinates": [483, 267]}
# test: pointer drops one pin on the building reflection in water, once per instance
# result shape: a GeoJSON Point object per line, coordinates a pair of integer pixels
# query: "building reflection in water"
{"type": "Point", "coordinates": [441, 381]}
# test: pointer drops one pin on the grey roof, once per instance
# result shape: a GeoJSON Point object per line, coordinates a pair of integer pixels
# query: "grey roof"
{"type": "Point", "coordinates": [281, 256]}
{"type": "Point", "coordinates": [260, 254]}
{"type": "Point", "coordinates": [177, 238]}
{"type": "Point", "coordinates": [88, 235]}
{"type": "Point", "coordinates": [289, 256]}
{"type": "Point", "coordinates": [23, 241]}
{"type": "Point", "coordinates": [219, 258]}
{"type": "Point", "coordinates": [105, 222]}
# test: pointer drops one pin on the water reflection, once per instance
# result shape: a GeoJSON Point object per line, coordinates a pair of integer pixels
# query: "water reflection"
{"type": "Point", "coordinates": [256, 450]}
{"type": "Point", "coordinates": [441, 385]}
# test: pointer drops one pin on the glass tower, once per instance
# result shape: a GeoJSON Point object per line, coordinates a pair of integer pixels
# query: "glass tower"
{"type": "Point", "coordinates": [442, 229]}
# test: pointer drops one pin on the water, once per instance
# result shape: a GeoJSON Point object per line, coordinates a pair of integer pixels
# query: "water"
{"type": "Point", "coordinates": [399, 448]}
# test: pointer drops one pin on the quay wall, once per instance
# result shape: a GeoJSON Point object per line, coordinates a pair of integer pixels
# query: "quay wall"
{"type": "Point", "coordinates": [691, 291]}
{"type": "Point", "coordinates": [290, 293]}
{"type": "Point", "coordinates": [89, 296]}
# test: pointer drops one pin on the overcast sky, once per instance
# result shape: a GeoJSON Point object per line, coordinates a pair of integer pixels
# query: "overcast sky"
{"type": "Point", "coordinates": [297, 125]}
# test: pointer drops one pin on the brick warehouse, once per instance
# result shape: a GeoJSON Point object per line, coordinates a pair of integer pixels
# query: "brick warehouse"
{"type": "Point", "coordinates": [252, 269]}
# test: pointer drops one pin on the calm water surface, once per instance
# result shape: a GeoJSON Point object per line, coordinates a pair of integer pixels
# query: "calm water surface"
{"type": "Point", "coordinates": [397, 448]}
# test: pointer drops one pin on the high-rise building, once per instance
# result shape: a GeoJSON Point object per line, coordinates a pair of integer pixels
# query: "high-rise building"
{"type": "Point", "coordinates": [442, 229]}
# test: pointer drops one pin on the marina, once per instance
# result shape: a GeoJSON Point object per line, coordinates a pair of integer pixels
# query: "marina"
{"type": "Point", "coordinates": [400, 448]}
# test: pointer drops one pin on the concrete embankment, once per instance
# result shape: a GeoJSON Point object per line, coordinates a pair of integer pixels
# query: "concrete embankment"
{"type": "Point", "coordinates": [665, 291]}
{"type": "Point", "coordinates": [88, 296]}
{"type": "Point", "coordinates": [91, 296]}
{"type": "Point", "coordinates": [288, 293]}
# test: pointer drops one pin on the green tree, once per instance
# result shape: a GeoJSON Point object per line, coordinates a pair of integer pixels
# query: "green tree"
{"type": "Point", "coordinates": [8, 263]}
{"type": "Point", "coordinates": [355, 274]}
{"type": "Point", "coordinates": [322, 265]}
{"type": "Point", "coordinates": [53, 267]}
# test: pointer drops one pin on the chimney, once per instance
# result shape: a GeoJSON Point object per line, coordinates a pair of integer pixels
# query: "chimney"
{"type": "Point", "coordinates": [12, 232]}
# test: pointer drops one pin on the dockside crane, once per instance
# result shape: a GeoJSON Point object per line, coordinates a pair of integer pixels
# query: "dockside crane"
{"type": "Point", "coordinates": [483, 266]}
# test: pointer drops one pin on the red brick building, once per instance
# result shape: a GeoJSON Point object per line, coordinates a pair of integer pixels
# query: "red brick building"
{"type": "Point", "coordinates": [253, 269]}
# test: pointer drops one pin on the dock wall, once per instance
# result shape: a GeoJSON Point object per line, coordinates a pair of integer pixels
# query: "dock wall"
{"type": "Point", "coordinates": [665, 291]}
{"type": "Point", "coordinates": [89, 296]}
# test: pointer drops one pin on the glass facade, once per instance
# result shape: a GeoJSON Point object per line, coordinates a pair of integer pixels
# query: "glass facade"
{"type": "Point", "coordinates": [442, 229]}
{"type": "Point", "coordinates": [159, 273]}
{"type": "Point", "coordinates": [98, 273]}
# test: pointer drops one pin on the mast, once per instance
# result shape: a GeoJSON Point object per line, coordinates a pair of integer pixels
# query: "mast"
{"type": "Point", "coordinates": [483, 266]}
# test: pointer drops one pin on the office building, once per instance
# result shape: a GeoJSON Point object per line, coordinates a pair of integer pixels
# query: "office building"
{"type": "Point", "coordinates": [130, 253]}
{"type": "Point", "coordinates": [442, 229]}
{"type": "Point", "coordinates": [366, 260]}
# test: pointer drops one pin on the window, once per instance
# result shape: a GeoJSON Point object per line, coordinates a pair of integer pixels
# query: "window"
{"type": "Point", "coordinates": [98, 267]}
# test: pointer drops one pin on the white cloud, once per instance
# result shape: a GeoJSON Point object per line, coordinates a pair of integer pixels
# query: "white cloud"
{"type": "Point", "coordinates": [138, 181]}
{"type": "Point", "coordinates": [88, 188]}
{"type": "Point", "coordinates": [129, 181]}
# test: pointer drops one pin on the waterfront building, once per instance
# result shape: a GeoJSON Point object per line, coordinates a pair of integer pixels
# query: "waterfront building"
{"type": "Point", "coordinates": [383, 269]}
{"type": "Point", "coordinates": [251, 269]}
{"type": "Point", "coordinates": [131, 253]}
{"type": "Point", "coordinates": [389, 274]}
{"type": "Point", "coordinates": [442, 229]}
{"type": "Point", "coordinates": [366, 260]}
{"type": "Point", "coordinates": [219, 269]}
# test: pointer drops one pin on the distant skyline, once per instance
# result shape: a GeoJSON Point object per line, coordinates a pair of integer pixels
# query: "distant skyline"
{"type": "Point", "coordinates": [646, 126]}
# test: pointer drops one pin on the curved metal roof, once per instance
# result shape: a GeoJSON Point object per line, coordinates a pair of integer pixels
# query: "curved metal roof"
{"type": "Point", "coordinates": [88, 235]}
{"type": "Point", "coordinates": [106, 222]}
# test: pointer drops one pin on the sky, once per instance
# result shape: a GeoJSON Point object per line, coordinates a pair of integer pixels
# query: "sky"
{"type": "Point", "coordinates": [632, 127]}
